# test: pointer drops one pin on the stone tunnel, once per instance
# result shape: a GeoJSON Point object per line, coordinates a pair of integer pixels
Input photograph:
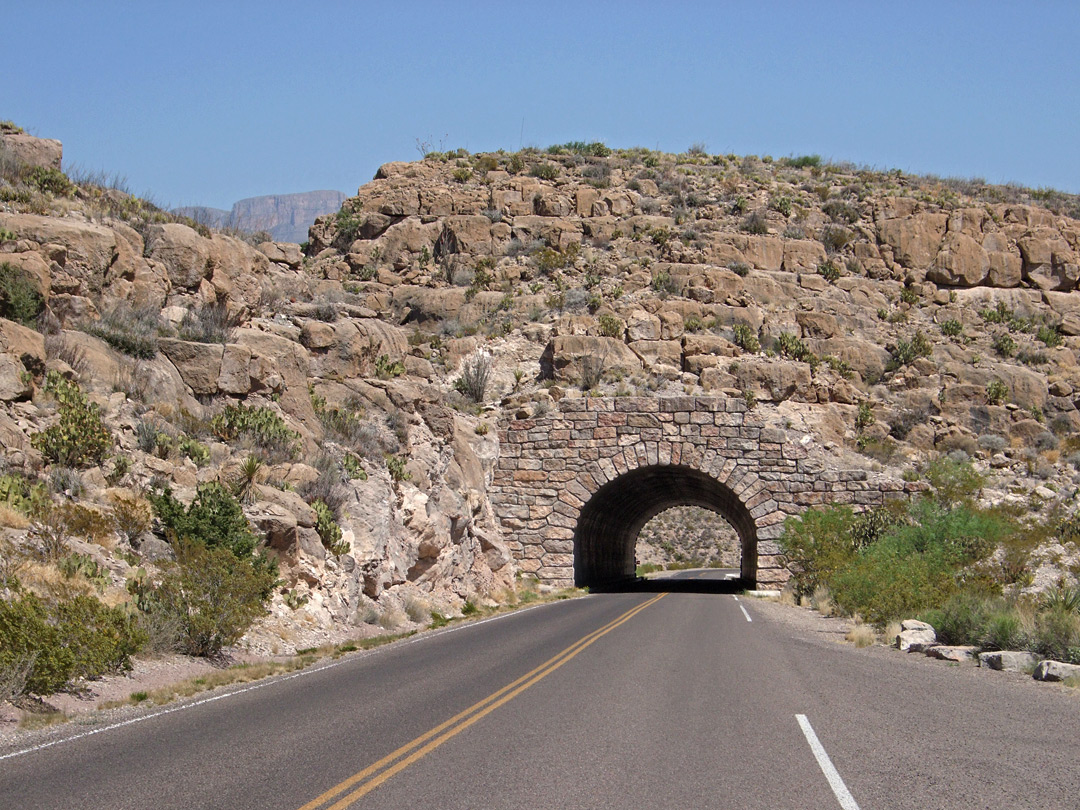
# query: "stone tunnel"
{"type": "Point", "coordinates": [573, 488]}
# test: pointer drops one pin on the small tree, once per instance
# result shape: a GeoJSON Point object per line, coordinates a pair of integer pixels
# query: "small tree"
{"type": "Point", "coordinates": [213, 595]}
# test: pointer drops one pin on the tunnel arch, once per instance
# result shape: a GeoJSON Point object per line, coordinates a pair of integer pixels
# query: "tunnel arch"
{"type": "Point", "coordinates": [609, 522]}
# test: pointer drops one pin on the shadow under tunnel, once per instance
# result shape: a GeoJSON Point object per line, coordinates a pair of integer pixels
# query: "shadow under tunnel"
{"type": "Point", "coordinates": [680, 584]}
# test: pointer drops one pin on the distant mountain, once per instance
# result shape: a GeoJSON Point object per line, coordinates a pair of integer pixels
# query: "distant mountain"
{"type": "Point", "coordinates": [286, 217]}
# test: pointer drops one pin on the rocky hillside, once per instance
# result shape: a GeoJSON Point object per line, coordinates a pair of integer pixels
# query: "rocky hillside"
{"type": "Point", "coordinates": [285, 217]}
{"type": "Point", "coordinates": [344, 391]}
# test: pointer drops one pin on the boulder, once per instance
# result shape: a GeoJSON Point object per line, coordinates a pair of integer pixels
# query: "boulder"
{"type": "Point", "coordinates": [915, 636]}
{"type": "Point", "coordinates": [1008, 660]}
{"type": "Point", "coordinates": [774, 380]}
{"type": "Point", "coordinates": [1056, 671]}
{"type": "Point", "coordinates": [199, 364]}
{"type": "Point", "coordinates": [915, 240]}
{"type": "Point", "coordinates": [45, 152]}
{"type": "Point", "coordinates": [944, 652]}
{"type": "Point", "coordinates": [961, 262]}
{"type": "Point", "coordinates": [568, 356]}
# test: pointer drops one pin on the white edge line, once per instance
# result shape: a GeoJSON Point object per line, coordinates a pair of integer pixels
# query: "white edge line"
{"type": "Point", "coordinates": [733, 596]}
{"type": "Point", "coordinates": [744, 613]}
{"type": "Point", "coordinates": [839, 789]}
{"type": "Point", "coordinates": [270, 681]}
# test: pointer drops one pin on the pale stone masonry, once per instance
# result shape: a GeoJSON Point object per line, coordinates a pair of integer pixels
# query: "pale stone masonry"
{"type": "Point", "coordinates": [573, 487]}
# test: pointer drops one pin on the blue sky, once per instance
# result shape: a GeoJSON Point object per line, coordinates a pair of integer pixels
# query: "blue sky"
{"type": "Point", "coordinates": [207, 103]}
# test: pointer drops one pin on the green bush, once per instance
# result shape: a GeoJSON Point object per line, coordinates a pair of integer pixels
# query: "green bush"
{"type": "Point", "coordinates": [790, 346]}
{"type": "Point", "coordinates": [1057, 635]}
{"type": "Point", "coordinates": [1004, 345]}
{"type": "Point", "coordinates": [745, 338]}
{"type": "Point", "coordinates": [996, 392]}
{"type": "Point", "coordinates": [54, 643]}
{"type": "Point", "coordinates": [80, 438]}
{"type": "Point", "coordinates": [610, 326]}
{"type": "Point", "coordinates": [829, 271]}
{"type": "Point", "coordinates": [50, 181]}
{"type": "Point", "coordinates": [260, 424]}
{"type": "Point", "coordinates": [545, 171]}
{"type": "Point", "coordinates": [817, 545]}
{"type": "Point", "coordinates": [20, 300]}
{"type": "Point", "coordinates": [210, 594]}
{"type": "Point", "coordinates": [214, 518]}
{"type": "Point", "coordinates": [952, 328]}
{"type": "Point", "coordinates": [908, 351]}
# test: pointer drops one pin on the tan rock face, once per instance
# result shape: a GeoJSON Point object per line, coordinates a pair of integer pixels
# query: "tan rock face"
{"type": "Point", "coordinates": [32, 151]}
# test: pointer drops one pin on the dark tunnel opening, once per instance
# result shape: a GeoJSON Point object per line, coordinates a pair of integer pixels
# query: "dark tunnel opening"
{"type": "Point", "coordinates": [609, 523]}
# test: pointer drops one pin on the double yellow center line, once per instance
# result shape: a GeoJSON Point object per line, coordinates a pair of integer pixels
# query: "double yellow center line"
{"type": "Point", "coordinates": [362, 783]}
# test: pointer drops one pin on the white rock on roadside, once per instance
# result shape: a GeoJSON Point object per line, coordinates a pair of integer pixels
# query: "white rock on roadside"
{"type": "Point", "coordinates": [915, 636]}
{"type": "Point", "coordinates": [1007, 660]}
{"type": "Point", "coordinates": [945, 652]}
{"type": "Point", "coordinates": [1056, 671]}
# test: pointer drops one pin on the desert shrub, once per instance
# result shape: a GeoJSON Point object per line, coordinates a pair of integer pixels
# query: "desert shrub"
{"type": "Point", "coordinates": [133, 332]}
{"type": "Point", "coordinates": [328, 529]}
{"type": "Point", "coordinates": [829, 271]}
{"type": "Point", "coordinates": [395, 465]}
{"type": "Point", "coordinates": [1057, 635]}
{"type": "Point", "coordinates": [610, 326]}
{"type": "Point", "coordinates": [996, 392]}
{"type": "Point", "coordinates": [781, 204]}
{"type": "Point", "coordinates": [545, 171]}
{"type": "Point", "coordinates": [208, 323]}
{"type": "Point", "coordinates": [475, 374]}
{"type": "Point", "coordinates": [20, 300]}
{"type": "Point", "coordinates": [80, 438]}
{"type": "Point", "coordinates": [26, 497]}
{"type": "Point", "coordinates": [790, 346]}
{"type": "Point", "coordinates": [261, 425]}
{"type": "Point", "coordinates": [756, 223]}
{"type": "Point", "coordinates": [49, 644]}
{"type": "Point", "coordinates": [835, 238]}
{"type": "Point", "coordinates": [745, 338]}
{"type": "Point", "coordinates": [962, 619]}
{"type": "Point", "coordinates": [887, 582]}
{"type": "Point", "coordinates": [586, 149]}
{"type": "Point", "coordinates": [1004, 629]}
{"type": "Point", "coordinates": [191, 447]}
{"type": "Point", "coordinates": [802, 161]}
{"type": "Point", "coordinates": [1004, 345]}
{"type": "Point", "coordinates": [132, 516]}
{"type": "Point", "coordinates": [214, 518]}
{"type": "Point", "coordinates": [908, 351]}
{"type": "Point", "coordinates": [952, 328]}
{"type": "Point", "coordinates": [211, 595]}
{"type": "Point", "coordinates": [954, 482]}
{"type": "Point", "coordinates": [1049, 335]}
{"type": "Point", "coordinates": [816, 546]}
{"type": "Point", "coordinates": [52, 181]}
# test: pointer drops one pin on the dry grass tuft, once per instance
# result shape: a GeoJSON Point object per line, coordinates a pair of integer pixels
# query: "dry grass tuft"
{"type": "Point", "coordinates": [861, 635]}
{"type": "Point", "coordinates": [11, 519]}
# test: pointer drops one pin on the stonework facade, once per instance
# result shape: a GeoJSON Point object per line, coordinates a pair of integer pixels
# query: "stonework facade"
{"type": "Point", "coordinates": [711, 451]}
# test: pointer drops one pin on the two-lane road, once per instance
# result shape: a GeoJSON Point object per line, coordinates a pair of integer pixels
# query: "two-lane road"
{"type": "Point", "coordinates": [689, 698]}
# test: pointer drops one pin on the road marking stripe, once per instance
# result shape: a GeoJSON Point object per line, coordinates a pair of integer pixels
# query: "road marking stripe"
{"type": "Point", "coordinates": [459, 722]}
{"type": "Point", "coordinates": [744, 613]}
{"type": "Point", "coordinates": [839, 789]}
{"type": "Point", "coordinates": [272, 680]}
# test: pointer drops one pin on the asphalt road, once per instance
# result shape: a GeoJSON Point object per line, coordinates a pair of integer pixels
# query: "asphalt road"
{"type": "Point", "coordinates": [684, 698]}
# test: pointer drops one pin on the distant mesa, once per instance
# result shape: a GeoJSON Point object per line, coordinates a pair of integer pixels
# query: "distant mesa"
{"type": "Point", "coordinates": [286, 217]}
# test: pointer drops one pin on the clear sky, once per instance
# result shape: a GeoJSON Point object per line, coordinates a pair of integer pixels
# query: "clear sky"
{"type": "Point", "coordinates": [207, 103]}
